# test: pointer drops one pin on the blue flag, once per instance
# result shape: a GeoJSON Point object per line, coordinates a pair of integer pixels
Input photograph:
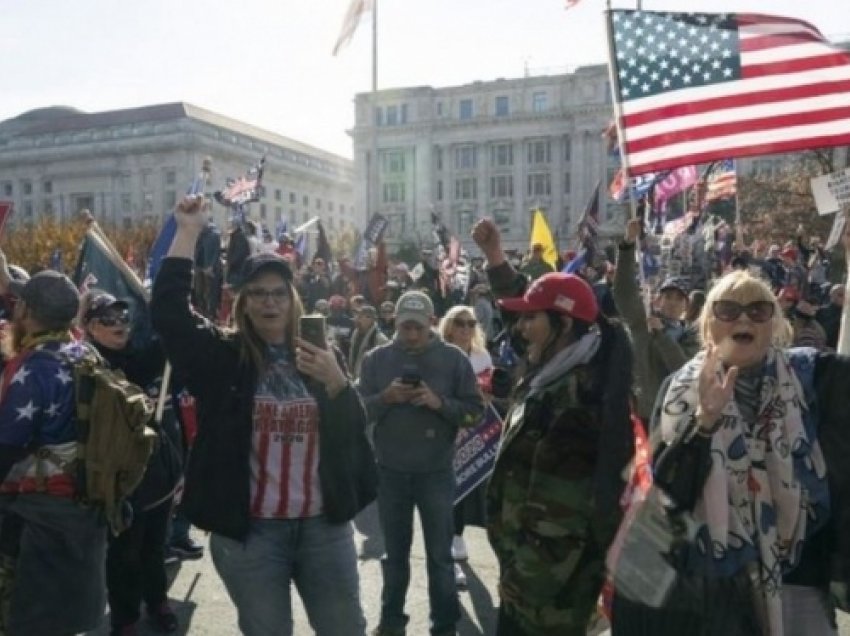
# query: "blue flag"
{"type": "Point", "coordinates": [98, 268]}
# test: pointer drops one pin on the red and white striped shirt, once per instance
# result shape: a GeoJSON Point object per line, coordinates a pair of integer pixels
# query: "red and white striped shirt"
{"type": "Point", "coordinates": [285, 446]}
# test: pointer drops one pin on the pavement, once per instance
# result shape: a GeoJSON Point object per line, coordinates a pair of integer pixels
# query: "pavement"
{"type": "Point", "coordinates": [204, 609]}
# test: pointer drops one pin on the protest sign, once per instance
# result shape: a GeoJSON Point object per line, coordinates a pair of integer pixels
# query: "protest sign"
{"type": "Point", "coordinates": [475, 452]}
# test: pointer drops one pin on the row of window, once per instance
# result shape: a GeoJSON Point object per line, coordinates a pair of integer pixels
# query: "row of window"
{"type": "Point", "coordinates": [462, 222]}
{"type": "Point", "coordinates": [501, 106]}
{"type": "Point", "coordinates": [538, 184]}
{"type": "Point", "coordinates": [466, 157]}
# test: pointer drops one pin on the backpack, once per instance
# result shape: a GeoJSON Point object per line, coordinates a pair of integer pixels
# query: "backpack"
{"type": "Point", "coordinates": [114, 437]}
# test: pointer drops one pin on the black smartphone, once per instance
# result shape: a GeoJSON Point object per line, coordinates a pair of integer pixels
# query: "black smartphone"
{"type": "Point", "coordinates": [312, 329]}
{"type": "Point", "coordinates": [410, 376]}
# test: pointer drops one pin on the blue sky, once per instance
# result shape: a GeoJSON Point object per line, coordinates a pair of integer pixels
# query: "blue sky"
{"type": "Point", "coordinates": [269, 63]}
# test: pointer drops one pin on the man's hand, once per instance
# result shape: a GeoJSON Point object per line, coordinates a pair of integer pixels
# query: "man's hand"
{"type": "Point", "coordinates": [191, 213]}
{"type": "Point", "coordinates": [424, 396]}
{"type": "Point", "coordinates": [487, 238]}
{"type": "Point", "coordinates": [654, 323]}
{"type": "Point", "coordinates": [397, 393]}
{"type": "Point", "coordinates": [632, 230]}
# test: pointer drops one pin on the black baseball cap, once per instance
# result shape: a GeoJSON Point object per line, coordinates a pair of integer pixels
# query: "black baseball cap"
{"type": "Point", "coordinates": [676, 284]}
{"type": "Point", "coordinates": [265, 261]}
{"type": "Point", "coordinates": [51, 295]}
{"type": "Point", "coordinates": [100, 303]}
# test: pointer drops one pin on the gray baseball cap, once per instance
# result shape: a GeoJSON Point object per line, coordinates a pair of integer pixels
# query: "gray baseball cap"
{"type": "Point", "coordinates": [51, 295]}
{"type": "Point", "coordinates": [414, 306]}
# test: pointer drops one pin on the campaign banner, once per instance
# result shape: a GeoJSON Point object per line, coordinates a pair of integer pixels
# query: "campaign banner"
{"type": "Point", "coordinates": [831, 191]}
{"type": "Point", "coordinates": [475, 452]}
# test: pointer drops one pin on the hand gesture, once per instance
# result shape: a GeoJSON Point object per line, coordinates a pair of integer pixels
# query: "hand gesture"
{"type": "Point", "coordinates": [424, 396]}
{"type": "Point", "coordinates": [191, 212]}
{"type": "Point", "coordinates": [486, 236]}
{"type": "Point", "coordinates": [633, 230]}
{"type": "Point", "coordinates": [714, 392]}
{"type": "Point", "coordinates": [654, 323]}
{"type": "Point", "coordinates": [319, 364]}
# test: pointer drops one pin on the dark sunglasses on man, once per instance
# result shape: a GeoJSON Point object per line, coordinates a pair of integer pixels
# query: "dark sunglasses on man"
{"type": "Point", "coordinates": [760, 311]}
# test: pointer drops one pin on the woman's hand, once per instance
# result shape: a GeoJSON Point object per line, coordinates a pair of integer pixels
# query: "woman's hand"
{"type": "Point", "coordinates": [714, 392]}
{"type": "Point", "coordinates": [487, 238]}
{"type": "Point", "coordinates": [632, 230]}
{"type": "Point", "coordinates": [321, 365]}
{"type": "Point", "coordinates": [191, 212]}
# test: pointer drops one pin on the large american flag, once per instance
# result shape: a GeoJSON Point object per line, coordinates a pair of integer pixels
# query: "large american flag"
{"type": "Point", "coordinates": [698, 87]}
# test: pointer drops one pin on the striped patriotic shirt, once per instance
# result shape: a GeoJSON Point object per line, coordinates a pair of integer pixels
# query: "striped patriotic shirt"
{"type": "Point", "coordinates": [698, 87]}
{"type": "Point", "coordinates": [285, 447]}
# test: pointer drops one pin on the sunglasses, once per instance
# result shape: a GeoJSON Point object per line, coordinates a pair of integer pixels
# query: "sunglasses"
{"type": "Point", "coordinates": [261, 295]}
{"type": "Point", "coordinates": [728, 310]}
{"type": "Point", "coordinates": [112, 320]}
{"type": "Point", "coordinates": [460, 322]}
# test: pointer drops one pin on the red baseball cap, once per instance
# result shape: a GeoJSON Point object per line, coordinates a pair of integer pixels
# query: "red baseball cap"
{"type": "Point", "coordinates": [788, 293]}
{"type": "Point", "coordinates": [566, 293]}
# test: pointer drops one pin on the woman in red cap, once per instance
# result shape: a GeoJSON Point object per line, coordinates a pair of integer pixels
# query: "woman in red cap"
{"type": "Point", "coordinates": [553, 498]}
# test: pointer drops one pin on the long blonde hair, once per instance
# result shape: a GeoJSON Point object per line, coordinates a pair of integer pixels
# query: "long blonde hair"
{"type": "Point", "coordinates": [447, 324]}
{"type": "Point", "coordinates": [252, 347]}
{"type": "Point", "coordinates": [743, 287]}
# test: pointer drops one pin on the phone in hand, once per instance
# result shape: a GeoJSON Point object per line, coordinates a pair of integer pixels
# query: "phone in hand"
{"type": "Point", "coordinates": [312, 329]}
{"type": "Point", "coordinates": [410, 376]}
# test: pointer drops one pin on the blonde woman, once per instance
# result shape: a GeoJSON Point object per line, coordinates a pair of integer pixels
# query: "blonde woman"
{"type": "Point", "coordinates": [460, 328]}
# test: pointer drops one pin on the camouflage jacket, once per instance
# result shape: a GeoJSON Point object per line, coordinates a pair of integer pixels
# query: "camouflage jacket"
{"type": "Point", "coordinates": [542, 522]}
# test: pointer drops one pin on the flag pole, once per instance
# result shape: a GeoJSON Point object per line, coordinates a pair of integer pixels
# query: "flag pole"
{"type": "Point", "coordinates": [843, 347]}
{"type": "Point", "coordinates": [372, 203]}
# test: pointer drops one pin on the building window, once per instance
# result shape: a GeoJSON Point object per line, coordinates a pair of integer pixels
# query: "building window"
{"type": "Point", "coordinates": [502, 219]}
{"type": "Point", "coordinates": [568, 149]}
{"type": "Point", "coordinates": [439, 109]}
{"type": "Point", "coordinates": [262, 210]}
{"type": "Point", "coordinates": [502, 106]}
{"type": "Point", "coordinates": [47, 207]}
{"type": "Point", "coordinates": [306, 201]}
{"type": "Point", "coordinates": [438, 158]}
{"type": "Point", "coordinates": [392, 161]}
{"type": "Point", "coordinates": [439, 190]}
{"type": "Point", "coordinates": [127, 203]}
{"type": "Point", "coordinates": [392, 115]}
{"type": "Point", "coordinates": [170, 177]}
{"type": "Point", "coordinates": [539, 152]}
{"type": "Point", "coordinates": [278, 213]}
{"type": "Point", "coordinates": [501, 186]}
{"type": "Point", "coordinates": [466, 188]}
{"type": "Point", "coordinates": [393, 193]}
{"type": "Point", "coordinates": [539, 102]}
{"type": "Point", "coordinates": [170, 199]}
{"type": "Point", "coordinates": [278, 194]}
{"type": "Point", "coordinates": [331, 206]}
{"type": "Point", "coordinates": [466, 109]}
{"type": "Point", "coordinates": [379, 116]}
{"type": "Point", "coordinates": [292, 197]}
{"type": "Point", "coordinates": [8, 189]}
{"type": "Point", "coordinates": [501, 155]}
{"type": "Point", "coordinates": [465, 219]}
{"type": "Point", "coordinates": [567, 183]}
{"type": "Point", "coordinates": [303, 217]}
{"type": "Point", "coordinates": [539, 184]}
{"type": "Point", "coordinates": [47, 187]}
{"type": "Point", "coordinates": [403, 118]}
{"type": "Point", "coordinates": [465, 158]}
{"type": "Point", "coordinates": [146, 178]}
{"type": "Point", "coordinates": [28, 208]}
{"type": "Point", "coordinates": [26, 187]}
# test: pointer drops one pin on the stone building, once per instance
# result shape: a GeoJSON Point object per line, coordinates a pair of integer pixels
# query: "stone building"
{"type": "Point", "coordinates": [500, 148]}
{"type": "Point", "coordinates": [131, 165]}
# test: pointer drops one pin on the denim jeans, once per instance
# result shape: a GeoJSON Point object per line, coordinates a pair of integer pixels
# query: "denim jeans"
{"type": "Point", "coordinates": [433, 495]}
{"type": "Point", "coordinates": [317, 556]}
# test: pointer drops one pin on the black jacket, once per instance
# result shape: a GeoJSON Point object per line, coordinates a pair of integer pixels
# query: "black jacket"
{"type": "Point", "coordinates": [217, 494]}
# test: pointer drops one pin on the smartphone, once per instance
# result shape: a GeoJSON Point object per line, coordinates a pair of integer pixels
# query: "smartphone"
{"type": "Point", "coordinates": [312, 329]}
{"type": "Point", "coordinates": [410, 376]}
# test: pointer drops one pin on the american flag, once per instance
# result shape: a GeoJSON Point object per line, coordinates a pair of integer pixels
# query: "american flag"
{"type": "Point", "coordinates": [245, 189]}
{"type": "Point", "coordinates": [6, 208]}
{"type": "Point", "coordinates": [722, 181]}
{"type": "Point", "coordinates": [699, 87]}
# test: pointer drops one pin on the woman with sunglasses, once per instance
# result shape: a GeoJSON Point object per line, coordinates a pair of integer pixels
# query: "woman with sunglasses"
{"type": "Point", "coordinates": [553, 499]}
{"type": "Point", "coordinates": [281, 463]}
{"type": "Point", "coordinates": [754, 447]}
{"type": "Point", "coordinates": [460, 328]}
{"type": "Point", "coordinates": [135, 560]}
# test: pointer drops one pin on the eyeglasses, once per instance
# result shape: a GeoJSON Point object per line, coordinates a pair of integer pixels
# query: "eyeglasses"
{"type": "Point", "coordinates": [111, 320]}
{"type": "Point", "coordinates": [262, 295]}
{"type": "Point", "coordinates": [728, 310]}
{"type": "Point", "coordinates": [460, 322]}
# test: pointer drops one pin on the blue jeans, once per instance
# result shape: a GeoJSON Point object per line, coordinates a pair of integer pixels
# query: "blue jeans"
{"type": "Point", "coordinates": [317, 556]}
{"type": "Point", "coordinates": [433, 495]}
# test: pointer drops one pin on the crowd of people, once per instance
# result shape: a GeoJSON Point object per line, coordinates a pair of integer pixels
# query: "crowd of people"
{"type": "Point", "coordinates": [736, 384]}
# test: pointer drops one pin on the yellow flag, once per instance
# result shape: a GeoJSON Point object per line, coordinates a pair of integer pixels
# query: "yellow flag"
{"type": "Point", "coordinates": [541, 234]}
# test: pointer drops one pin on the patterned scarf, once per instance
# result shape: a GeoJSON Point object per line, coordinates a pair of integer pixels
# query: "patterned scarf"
{"type": "Point", "coordinates": [765, 478]}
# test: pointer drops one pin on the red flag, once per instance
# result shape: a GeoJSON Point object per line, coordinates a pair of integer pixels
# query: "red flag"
{"type": "Point", "coordinates": [6, 208]}
{"type": "Point", "coordinates": [710, 86]}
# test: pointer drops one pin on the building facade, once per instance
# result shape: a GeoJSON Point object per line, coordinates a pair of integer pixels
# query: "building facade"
{"type": "Point", "coordinates": [500, 149]}
{"type": "Point", "coordinates": [131, 165]}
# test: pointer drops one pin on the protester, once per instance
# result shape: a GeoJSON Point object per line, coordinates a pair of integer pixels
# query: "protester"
{"type": "Point", "coordinates": [340, 324]}
{"type": "Point", "coordinates": [460, 328]}
{"type": "Point", "coordinates": [829, 316]}
{"type": "Point", "coordinates": [534, 265]}
{"type": "Point", "coordinates": [206, 291]}
{"type": "Point", "coordinates": [661, 341]}
{"type": "Point", "coordinates": [419, 391]}
{"type": "Point", "coordinates": [262, 393]}
{"type": "Point", "coordinates": [386, 320]}
{"type": "Point", "coordinates": [315, 284]}
{"type": "Point", "coordinates": [807, 331]}
{"type": "Point", "coordinates": [135, 568]}
{"type": "Point", "coordinates": [52, 549]}
{"type": "Point", "coordinates": [366, 337]}
{"type": "Point", "coordinates": [750, 433]}
{"type": "Point", "coordinates": [553, 498]}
